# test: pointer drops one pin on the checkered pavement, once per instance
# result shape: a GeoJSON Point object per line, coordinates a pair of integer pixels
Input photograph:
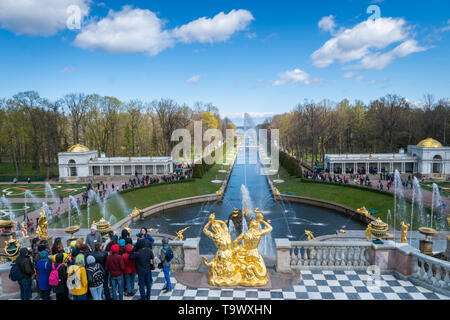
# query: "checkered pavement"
{"type": "Point", "coordinates": [314, 285]}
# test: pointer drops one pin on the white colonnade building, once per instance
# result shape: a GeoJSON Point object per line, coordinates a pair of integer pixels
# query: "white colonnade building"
{"type": "Point", "coordinates": [79, 164]}
{"type": "Point", "coordinates": [428, 159]}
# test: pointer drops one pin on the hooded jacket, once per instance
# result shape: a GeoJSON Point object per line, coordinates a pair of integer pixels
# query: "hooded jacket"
{"type": "Point", "coordinates": [114, 262]}
{"type": "Point", "coordinates": [143, 256]}
{"type": "Point", "coordinates": [130, 265]}
{"type": "Point", "coordinates": [24, 263]}
{"type": "Point", "coordinates": [83, 283]}
{"type": "Point", "coordinates": [61, 288]}
{"type": "Point", "coordinates": [100, 257]}
{"type": "Point", "coordinates": [43, 267]}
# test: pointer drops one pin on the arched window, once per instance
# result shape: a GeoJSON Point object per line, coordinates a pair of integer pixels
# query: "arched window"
{"type": "Point", "coordinates": [72, 168]}
{"type": "Point", "coordinates": [437, 164]}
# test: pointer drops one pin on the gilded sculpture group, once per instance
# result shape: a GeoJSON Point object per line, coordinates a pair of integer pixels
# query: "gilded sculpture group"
{"type": "Point", "coordinates": [237, 264]}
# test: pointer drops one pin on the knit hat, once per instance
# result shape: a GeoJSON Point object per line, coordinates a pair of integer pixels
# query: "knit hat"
{"type": "Point", "coordinates": [94, 227]}
{"type": "Point", "coordinates": [115, 248]}
{"type": "Point", "coordinates": [165, 241]}
{"type": "Point", "coordinates": [90, 260]}
{"type": "Point", "coordinates": [43, 256]}
{"type": "Point", "coordinates": [129, 248]}
{"type": "Point", "coordinates": [73, 243]}
{"type": "Point", "coordinates": [122, 242]}
{"type": "Point", "coordinates": [79, 260]}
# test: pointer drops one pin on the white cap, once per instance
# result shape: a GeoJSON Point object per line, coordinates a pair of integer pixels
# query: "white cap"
{"type": "Point", "coordinates": [94, 227]}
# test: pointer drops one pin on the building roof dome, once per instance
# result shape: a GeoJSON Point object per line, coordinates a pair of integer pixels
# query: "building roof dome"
{"type": "Point", "coordinates": [78, 148]}
{"type": "Point", "coordinates": [429, 143]}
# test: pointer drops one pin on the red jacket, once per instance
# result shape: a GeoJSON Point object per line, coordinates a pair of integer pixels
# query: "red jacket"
{"type": "Point", "coordinates": [114, 264]}
{"type": "Point", "coordinates": [130, 265]}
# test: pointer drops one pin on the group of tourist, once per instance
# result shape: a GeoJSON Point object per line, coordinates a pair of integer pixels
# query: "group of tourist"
{"type": "Point", "coordinates": [90, 269]}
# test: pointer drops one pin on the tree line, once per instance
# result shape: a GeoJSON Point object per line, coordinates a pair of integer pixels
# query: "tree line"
{"type": "Point", "coordinates": [33, 129]}
{"type": "Point", "coordinates": [385, 125]}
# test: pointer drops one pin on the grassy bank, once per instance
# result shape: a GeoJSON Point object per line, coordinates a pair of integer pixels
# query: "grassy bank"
{"type": "Point", "coordinates": [146, 197]}
{"type": "Point", "coordinates": [349, 196]}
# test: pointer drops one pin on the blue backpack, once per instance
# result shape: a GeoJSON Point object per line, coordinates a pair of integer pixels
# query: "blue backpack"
{"type": "Point", "coordinates": [15, 274]}
{"type": "Point", "coordinates": [169, 254]}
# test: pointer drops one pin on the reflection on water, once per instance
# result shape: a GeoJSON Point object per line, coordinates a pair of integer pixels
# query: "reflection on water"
{"type": "Point", "coordinates": [288, 219]}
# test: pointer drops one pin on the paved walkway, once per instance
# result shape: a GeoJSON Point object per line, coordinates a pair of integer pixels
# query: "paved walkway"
{"type": "Point", "coordinates": [314, 285]}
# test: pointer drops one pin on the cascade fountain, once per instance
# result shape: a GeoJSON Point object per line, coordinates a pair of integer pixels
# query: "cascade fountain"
{"type": "Point", "coordinates": [436, 201]}
{"type": "Point", "coordinates": [399, 200]}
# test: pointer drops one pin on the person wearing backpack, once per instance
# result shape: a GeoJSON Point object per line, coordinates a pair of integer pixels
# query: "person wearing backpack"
{"type": "Point", "coordinates": [59, 284]}
{"type": "Point", "coordinates": [96, 277]}
{"type": "Point", "coordinates": [115, 266]}
{"type": "Point", "coordinates": [100, 256]}
{"type": "Point", "coordinates": [77, 279]}
{"type": "Point", "coordinates": [23, 271]}
{"type": "Point", "coordinates": [130, 271]}
{"type": "Point", "coordinates": [43, 268]}
{"type": "Point", "coordinates": [165, 256]}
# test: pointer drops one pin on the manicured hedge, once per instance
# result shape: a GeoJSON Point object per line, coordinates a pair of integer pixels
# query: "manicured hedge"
{"type": "Point", "coordinates": [290, 164]}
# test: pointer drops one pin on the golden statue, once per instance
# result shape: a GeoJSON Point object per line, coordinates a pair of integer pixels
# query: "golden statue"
{"type": "Point", "coordinates": [368, 233]}
{"type": "Point", "coordinates": [310, 235]}
{"type": "Point", "coordinates": [223, 270]}
{"type": "Point", "coordinates": [180, 234]}
{"type": "Point", "coordinates": [363, 211]}
{"type": "Point", "coordinates": [135, 212]}
{"type": "Point", "coordinates": [128, 229]}
{"type": "Point", "coordinates": [41, 230]}
{"type": "Point", "coordinates": [24, 230]}
{"type": "Point", "coordinates": [249, 261]}
{"type": "Point", "coordinates": [405, 228]}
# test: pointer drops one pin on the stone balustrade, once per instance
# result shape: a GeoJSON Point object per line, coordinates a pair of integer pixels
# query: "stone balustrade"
{"type": "Point", "coordinates": [431, 272]}
{"type": "Point", "coordinates": [330, 255]}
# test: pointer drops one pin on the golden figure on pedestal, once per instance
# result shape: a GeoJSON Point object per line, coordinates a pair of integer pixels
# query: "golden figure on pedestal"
{"type": "Point", "coordinates": [310, 235]}
{"type": "Point", "coordinates": [41, 231]}
{"type": "Point", "coordinates": [24, 229]}
{"type": "Point", "coordinates": [180, 234]}
{"type": "Point", "coordinates": [223, 271]}
{"type": "Point", "coordinates": [405, 228]}
{"type": "Point", "coordinates": [368, 233]}
{"type": "Point", "coordinates": [243, 265]}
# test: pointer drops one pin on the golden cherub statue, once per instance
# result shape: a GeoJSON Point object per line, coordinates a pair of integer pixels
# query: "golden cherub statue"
{"type": "Point", "coordinates": [41, 230]}
{"type": "Point", "coordinates": [180, 234]}
{"type": "Point", "coordinates": [135, 212]}
{"type": "Point", "coordinates": [368, 232]}
{"type": "Point", "coordinates": [363, 211]}
{"type": "Point", "coordinates": [310, 235]}
{"type": "Point", "coordinates": [128, 229]}
{"type": "Point", "coordinates": [405, 228]}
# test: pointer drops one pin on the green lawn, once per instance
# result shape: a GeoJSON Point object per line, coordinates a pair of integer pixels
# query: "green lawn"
{"type": "Point", "coordinates": [351, 197]}
{"type": "Point", "coordinates": [18, 208]}
{"type": "Point", "coordinates": [18, 190]}
{"type": "Point", "coordinates": [146, 197]}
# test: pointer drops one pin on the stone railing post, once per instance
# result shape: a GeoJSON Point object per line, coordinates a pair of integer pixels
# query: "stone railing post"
{"type": "Point", "coordinates": [191, 254]}
{"type": "Point", "coordinates": [283, 255]}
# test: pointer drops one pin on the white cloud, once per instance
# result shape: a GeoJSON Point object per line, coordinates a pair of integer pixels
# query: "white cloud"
{"type": "Point", "coordinates": [365, 43]}
{"type": "Point", "coordinates": [360, 78]}
{"type": "Point", "coordinates": [447, 27]}
{"type": "Point", "coordinates": [68, 70]}
{"type": "Point", "coordinates": [327, 24]}
{"type": "Point", "coordinates": [193, 79]}
{"type": "Point", "coordinates": [127, 31]}
{"type": "Point", "coordinates": [38, 18]}
{"type": "Point", "coordinates": [219, 28]}
{"type": "Point", "coordinates": [138, 30]}
{"type": "Point", "coordinates": [293, 76]}
{"type": "Point", "coordinates": [349, 75]}
{"type": "Point", "coordinates": [380, 61]}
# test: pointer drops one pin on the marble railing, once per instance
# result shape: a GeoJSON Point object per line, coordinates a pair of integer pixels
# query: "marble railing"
{"type": "Point", "coordinates": [330, 255]}
{"type": "Point", "coordinates": [429, 271]}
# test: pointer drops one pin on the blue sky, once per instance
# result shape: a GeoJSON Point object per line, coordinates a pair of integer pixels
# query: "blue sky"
{"type": "Point", "coordinates": [260, 57]}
